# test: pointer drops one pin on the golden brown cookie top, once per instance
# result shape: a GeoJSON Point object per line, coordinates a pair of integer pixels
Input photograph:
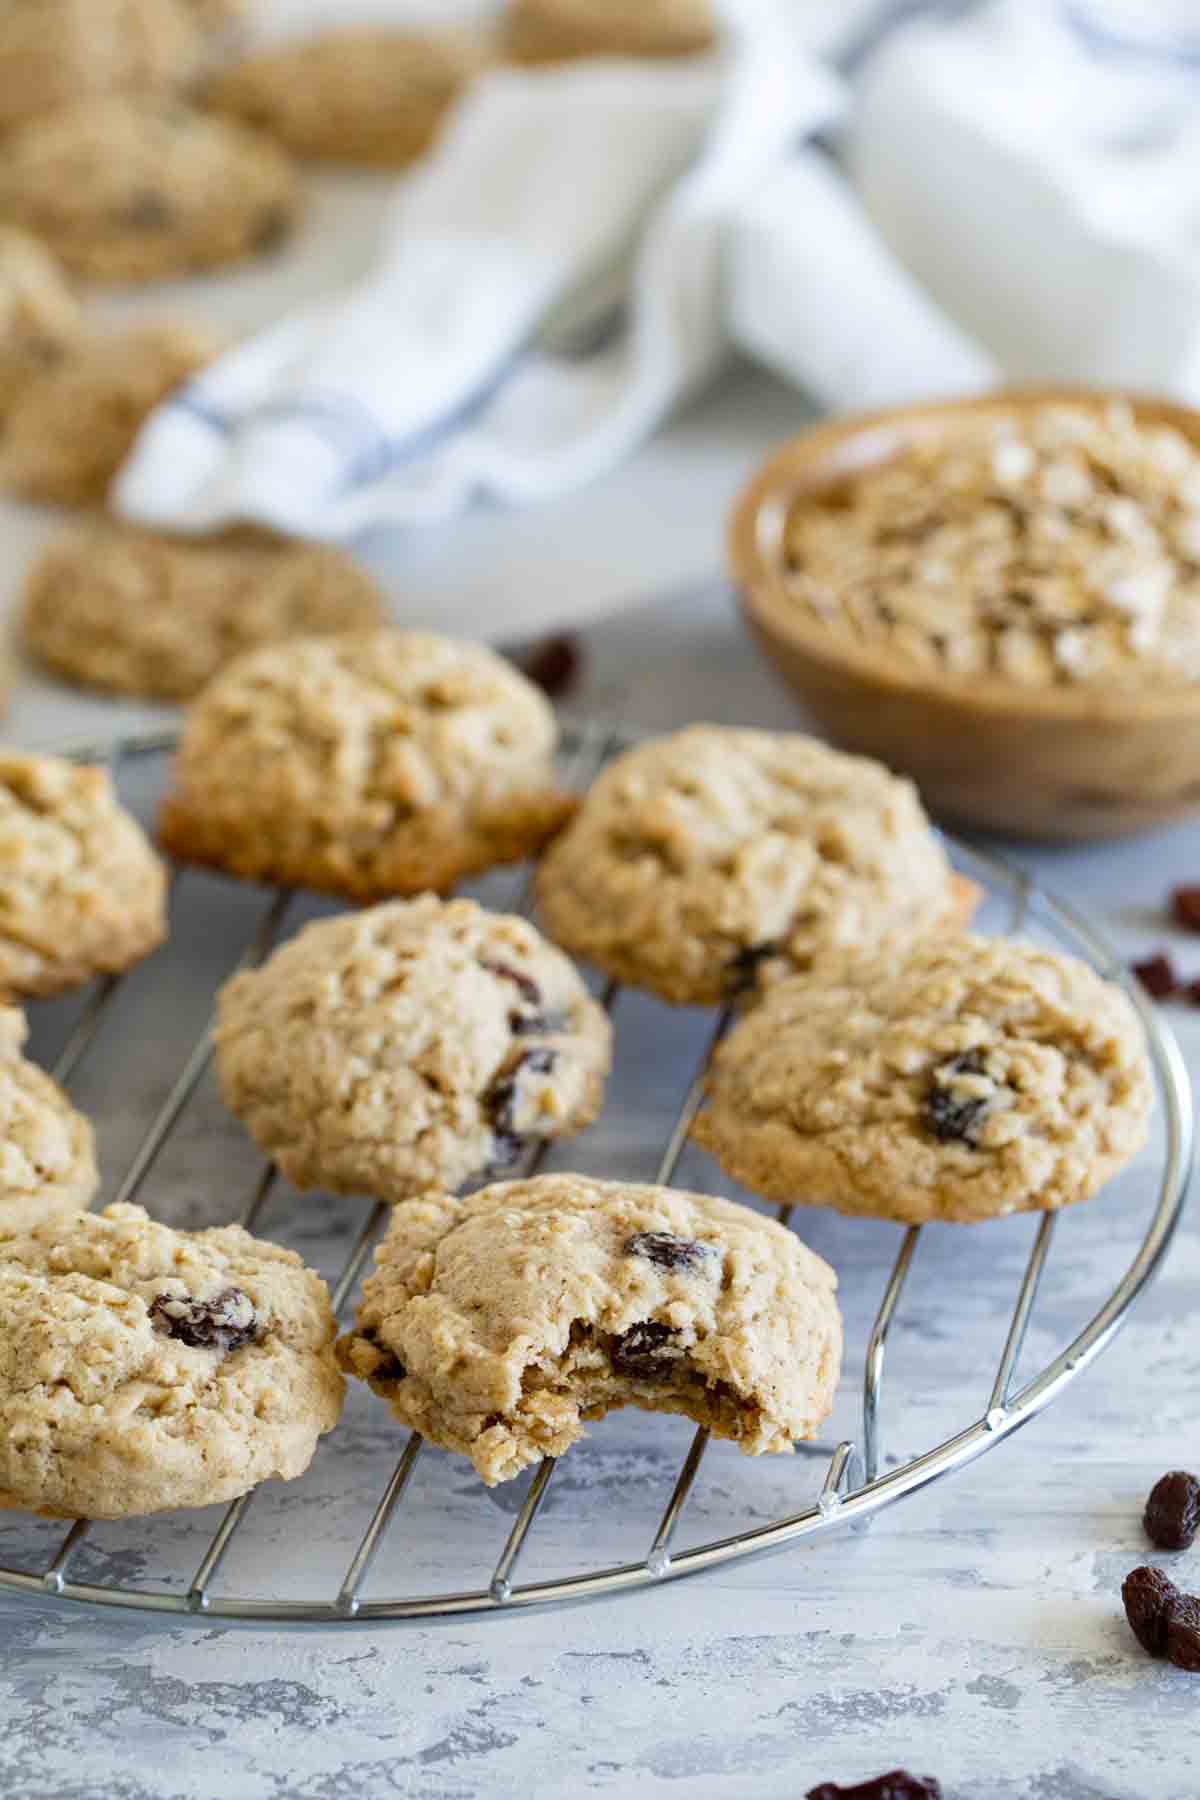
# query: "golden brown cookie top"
{"type": "Point", "coordinates": [971, 1078]}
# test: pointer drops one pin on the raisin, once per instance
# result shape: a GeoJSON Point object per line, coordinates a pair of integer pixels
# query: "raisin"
{"type": "Point", "coordinates": [501, 1099]}
{"type": "Point", "coordinates": [638, 1351]}
{"type": "Point", "coordinates": [146, 212]}
{"type": "Point", "coordinates": [1157, 976]}
{"type": "Point", "coordinates": [1148, 1595]}
{"type": "Point", "coordinates": [500, 1102]}
{"type": "Point", "coordinates": [389, 1367]}
{"type": "Point", "coordinates": [554, 665]}
{"type": "Point", "coordinates": [953, 1118]}
{"type": "Point", "coordinates": [1185, 907]}
{"type": "Point", "coordinates": [1172, 1514]}
{"type": "Point", "coordinates": [534, 1024]}
{"type": "Point", "coordinates": [524, 984]}
{"type": "Point", "coordinates": [224, 1323]}
{"type": "Point", "coordinates": [742, 970]}
{"type": "Point", "coordinates": [540, 1024]}
{"type": "Point", "coordinates": [666, 1251]}
{"type": "Point", "coordinates": [897, 1784]}
{"type": "Point", "coordinates": [1183, 1633]}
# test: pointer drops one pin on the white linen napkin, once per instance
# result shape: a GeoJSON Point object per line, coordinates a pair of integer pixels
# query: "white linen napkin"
{"type": "Point", "coordinates": [1019, 199]}
{"type": "Point", "coordinates": [425, 386]}
{"type": "Point", "coordinates": [1036, 168]}
{"type": "Point", "coordinates": [827, 305]}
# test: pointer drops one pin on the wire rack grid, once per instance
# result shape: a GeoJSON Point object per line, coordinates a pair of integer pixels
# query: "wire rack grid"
{"type": "Point", "coordinates": [855, 1485]}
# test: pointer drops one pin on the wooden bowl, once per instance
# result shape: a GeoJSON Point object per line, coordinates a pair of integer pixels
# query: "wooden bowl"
{"type": "Point", "coordinates": [1052, 763]}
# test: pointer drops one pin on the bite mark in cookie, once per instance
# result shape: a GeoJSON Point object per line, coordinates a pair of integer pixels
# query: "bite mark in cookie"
{"type": "Point", "coordinates": [497, 1324]}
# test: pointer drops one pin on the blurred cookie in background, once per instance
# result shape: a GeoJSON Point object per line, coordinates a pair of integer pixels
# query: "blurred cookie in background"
{"type": "Point", "coordinates": [135, 612]}
{"type": "Point", "coordinates": [216, 16]}
{"type": "Point", "coordinates": [82, 892]}
{"type": "Point", "coordinates": [127, 191]}
{"type": "Point", "coordinates": [54, 52]}
{"type": "Point", "coordinates": [368, 765]}
{"type": "Point", "coordinates": [359, 95]}
{"type": "Point", "coordinates": [39, 315]}
{"type": "Point", "coordinates": [536, 31]}
{"type": "Point", "coordinates": [72, 425]}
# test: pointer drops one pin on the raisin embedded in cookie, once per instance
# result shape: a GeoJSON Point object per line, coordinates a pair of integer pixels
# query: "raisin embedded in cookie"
{"type": "Point", "coordinates": [39, 315]}
{"type": "Point", "coordinates": [138, 190]}
{"type": "Point", "coordinates": [357, 94]}
{"type": "Point", "coordinates": [54, 52]}
{"type": "Point", "coordinates": [113, 607]}
{"type": "Point", "coordinates": [81, 891]}
{"type": "Point", "coordinates": [496, 1324]}
{"type": "Point", "coordinates": [143, 1368]}
{"type": "Point", "coordinates": [410, 1046]}
{"type": "Point", "coordinates": [701, 861]}
{"type": "Point", "coordinates": [72, 425]}
{"type": "Point", "coordinates": [47, 1152]}
{"type": "Point", "coordinates": [974, 1078]}
{"type": "Point", "coordinates": [539, 31]}
{"type": "Point", "coordinates": [368, 765]}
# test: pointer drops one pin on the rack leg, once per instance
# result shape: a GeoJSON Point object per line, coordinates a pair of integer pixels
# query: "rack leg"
{"type": "Point", "coordinates": [873, 1380]}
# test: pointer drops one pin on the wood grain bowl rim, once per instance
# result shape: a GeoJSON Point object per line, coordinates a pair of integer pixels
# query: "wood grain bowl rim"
{"type": "Point", "coordinates": [827, 453]}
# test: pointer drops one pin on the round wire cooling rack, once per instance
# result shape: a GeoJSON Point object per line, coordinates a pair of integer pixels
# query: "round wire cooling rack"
{"type": "Point", "coordinates": [422, 1511]}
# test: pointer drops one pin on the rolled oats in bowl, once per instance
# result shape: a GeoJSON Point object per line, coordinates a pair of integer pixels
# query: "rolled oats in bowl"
{"type": "Point", "coordinates": [1047, 546]}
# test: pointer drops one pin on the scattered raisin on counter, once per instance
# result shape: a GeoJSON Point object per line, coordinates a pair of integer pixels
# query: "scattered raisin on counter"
{"type": "Point", "coordinates": [1172, 1515]}
{"type": "Point", "coordinates": [1185, 907]}
{"type": "Point", "coordinates": [224, 1323]}
{"type": "Point", "coordinates": [668, 1252]}
{"type": "Point", "coordinates": [897, 1784]}
{"type": "Point", "coordinates": [554, 665]}
{"type": "Point", "coordinates": [1147, 1594]}
{"type": "Point", "coordinates": [1183, 1633]}
{"type": "Point", "coordinates": [1164, 1621]}
{"type": "Point", "coordinates": [638, 1351]}
{"type": "Point", "coordinates": [1157, 975]}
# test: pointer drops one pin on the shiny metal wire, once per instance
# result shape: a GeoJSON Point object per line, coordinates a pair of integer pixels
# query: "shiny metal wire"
{"type": "Point", "coordinates": [853, 1488]}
